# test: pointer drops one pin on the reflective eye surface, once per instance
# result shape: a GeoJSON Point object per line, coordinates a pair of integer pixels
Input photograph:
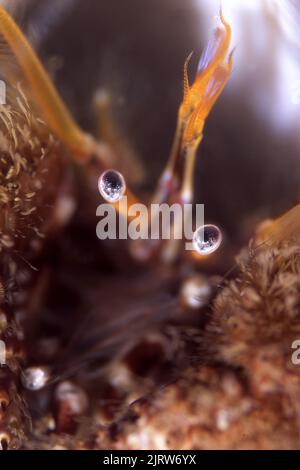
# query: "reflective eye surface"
{"type": "Point", "coordinates": [112, 185]}
{"type": "Point", "coordinates": [35, 378]}
{"type": "Point", "coordinates": [207, 239]}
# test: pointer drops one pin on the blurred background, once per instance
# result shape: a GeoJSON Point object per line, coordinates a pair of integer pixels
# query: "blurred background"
{"type": "Point", "coordinates": [249, 163]}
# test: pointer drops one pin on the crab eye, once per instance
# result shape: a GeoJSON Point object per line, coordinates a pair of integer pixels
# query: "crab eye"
{"type": "Point", "coordinates": [35, 378]}
{"type": "Point", "coordinates": [111, 185]}
{"type": "Point", "coordinates": [207, 239]}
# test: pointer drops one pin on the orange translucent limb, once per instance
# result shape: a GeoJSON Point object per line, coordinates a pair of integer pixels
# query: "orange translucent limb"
{"type": "Point", "coordinates": [187, 186]}
{"type": "Point", "coordinates": [186, 84]}
{"type": "Point", "coordinates": [193, 128]}
{"type": "Point", "coordinates": [222, 42]}
{"type": "Point", "coordinates": [218, 49]}
{"type": "Point", "coordinates": [169, 170]}
{"type": "Point", "coordinates": [197, 103]}
{"type": "Point", "coordinates": [193, 132]}
{"type": "Point", "coordinates": [285, 227]}
{"type": "Point", "coordinates": [215, 86]}
{"type": "Point", "coordinates": [46, 97]}
{"type": "Point", "coordinates": [177, 179]}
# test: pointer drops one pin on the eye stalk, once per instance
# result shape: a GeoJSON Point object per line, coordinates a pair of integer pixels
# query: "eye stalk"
{"type": "Point", "coordinates": [213, 73]}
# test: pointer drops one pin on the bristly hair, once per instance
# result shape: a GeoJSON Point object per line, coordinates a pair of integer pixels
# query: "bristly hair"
{"type": "Point", "coordinates": [259, 309]}
{"type": "Point", "coordinates": [31, 170]}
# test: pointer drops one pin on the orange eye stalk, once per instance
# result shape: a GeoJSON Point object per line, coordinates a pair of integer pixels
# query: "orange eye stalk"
{"type": "Point", "coordinates": [176, 183]}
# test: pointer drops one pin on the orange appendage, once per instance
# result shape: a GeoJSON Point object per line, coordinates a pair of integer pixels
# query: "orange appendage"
{"type": "Point", "coordinates": [16, 49]}
{"type": "Point", "coordinates": [285, 227]}
{"type": "Point", "coordinates": [212, 75]}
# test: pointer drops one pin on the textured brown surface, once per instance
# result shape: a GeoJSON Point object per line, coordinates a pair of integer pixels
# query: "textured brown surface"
{"type": "Point", "coordinates": [249, 396]}
{"type": "Point", "coordinates": [236, 389]}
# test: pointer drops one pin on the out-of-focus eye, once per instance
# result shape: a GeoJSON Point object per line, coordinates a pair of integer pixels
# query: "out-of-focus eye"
{"type": "Point", "coordinates": [195, 292]}
{"type": "Point", "coordinates": [35, 378]}
{"type": "Point", "coordinates": [4, 441]}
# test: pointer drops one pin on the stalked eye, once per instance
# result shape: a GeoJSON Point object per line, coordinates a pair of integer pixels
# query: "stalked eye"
{"type": "Point", "coordinates": [35, 378]}
{"type": "Point", "coordinates": [195, 292]}
{"type": "Point", "coordinates": [111, 185]}
{"type": "Point", "coordinates": [207, 239]}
